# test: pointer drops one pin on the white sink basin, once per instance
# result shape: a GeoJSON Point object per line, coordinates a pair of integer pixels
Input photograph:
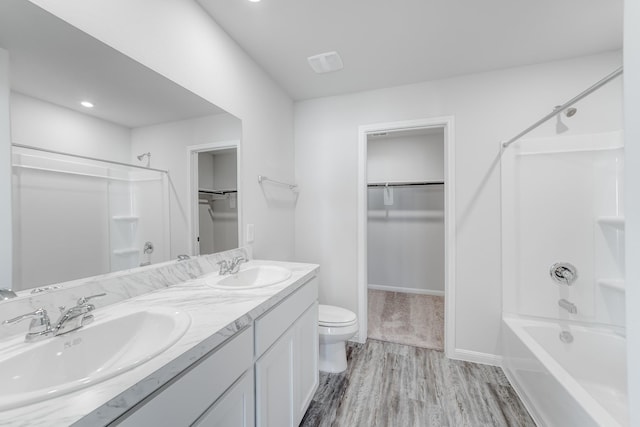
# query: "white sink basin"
{"type": "Point", "coordinates": [251, 277]}
{"type": "Point", "coordinates": [31, 372]}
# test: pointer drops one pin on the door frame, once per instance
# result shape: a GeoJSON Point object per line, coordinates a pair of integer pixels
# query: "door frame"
{"type": "Point", "coordinates": [447, 124]}
{"type": "Point", "coordinates": [192, 188]}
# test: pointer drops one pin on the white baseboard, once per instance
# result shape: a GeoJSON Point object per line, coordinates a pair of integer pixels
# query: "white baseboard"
{"type": "Point", "coordinates": [406, 290]}
{"type": "Point", "coordinates": [475, 357]}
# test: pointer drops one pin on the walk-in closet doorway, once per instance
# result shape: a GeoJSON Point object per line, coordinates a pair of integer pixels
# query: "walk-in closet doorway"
{"type": "Point", "coordinates": [405, 261]}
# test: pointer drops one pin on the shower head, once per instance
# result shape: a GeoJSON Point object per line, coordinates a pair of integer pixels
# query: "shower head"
{"type": "Point", "coordinates": [143, 155]}
{"type": "Point", "coordinates": [570, 112]}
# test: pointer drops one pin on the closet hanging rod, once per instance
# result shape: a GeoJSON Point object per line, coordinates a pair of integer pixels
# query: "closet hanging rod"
{"type": "Point", "coordinates": [403, 184]}
{"type": "Point", "coordinates": [597, 85]}
{"type": "Point", "coordinates": [262, 178]}
{"type": "Point", "coordinates": [62, 153]}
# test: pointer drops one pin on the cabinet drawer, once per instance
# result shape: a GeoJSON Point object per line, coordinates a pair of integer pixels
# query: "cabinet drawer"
{"type": "Point", "coordinates": [277, 320]}
{"type": "Point", "coordinates": [184, 399]}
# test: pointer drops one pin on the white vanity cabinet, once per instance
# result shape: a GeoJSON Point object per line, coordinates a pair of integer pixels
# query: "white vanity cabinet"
{"type": "Point", "coordinates": [235, 408]}
{"type": "Point", "coordinates": [219, 377]}
{"type": "Point", "coordinates": [287, 364]}
{"type": "Point", "coordinates": [265, 375]}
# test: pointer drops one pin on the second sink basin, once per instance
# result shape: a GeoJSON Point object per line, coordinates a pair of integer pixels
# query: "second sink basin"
{"type": "Point", "coordinates": [33, 372]}
{"type": "Point", "coordinates": [251, 277]}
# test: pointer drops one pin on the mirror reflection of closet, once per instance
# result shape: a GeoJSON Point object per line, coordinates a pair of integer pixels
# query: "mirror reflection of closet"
{"type": "Point", "coordinates": [217, 201]}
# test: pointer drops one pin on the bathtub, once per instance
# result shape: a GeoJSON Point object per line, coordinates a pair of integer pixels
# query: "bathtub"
{"type": "Point", "coordinates": [582, 383]}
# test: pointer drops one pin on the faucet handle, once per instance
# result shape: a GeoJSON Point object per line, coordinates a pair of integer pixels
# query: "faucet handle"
{"type": "Point", "coordinates": [85, 300]}
{"type": "Point", "coordinates": [39, 320]}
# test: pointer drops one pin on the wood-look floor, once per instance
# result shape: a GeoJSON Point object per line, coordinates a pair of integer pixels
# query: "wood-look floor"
{"type": "Point", "coordinates": [410, 319]}
{"type": "Point", "coordinates": [395, 385]}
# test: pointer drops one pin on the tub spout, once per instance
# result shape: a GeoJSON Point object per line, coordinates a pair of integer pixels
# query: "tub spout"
{"type": "Point", "coordinates": [569, 306]}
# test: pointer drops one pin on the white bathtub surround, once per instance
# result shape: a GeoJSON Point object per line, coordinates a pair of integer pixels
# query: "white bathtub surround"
{"type": "Point", "coordinates": [568, 365]}
{"type": "Point", "coordinates": [571, 213]}
{"type": "Point", "coordinates": [215, 315]}
{"type": "Point", "coordinates": [579, 383]}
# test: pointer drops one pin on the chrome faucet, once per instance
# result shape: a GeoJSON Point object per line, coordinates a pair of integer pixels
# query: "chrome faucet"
{"type": "Point", "coordinates": [569, 306]}
{"type": "Point", "coordinates": [76, 316]}
{"type": "Point", "coordinates": [70, 320]}
{"type": "Point", "coordinates": [183, 257]}
{"type": "Point", "coordinates": [231, 267]}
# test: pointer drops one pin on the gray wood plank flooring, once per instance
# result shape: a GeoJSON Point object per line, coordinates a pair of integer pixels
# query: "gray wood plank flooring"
{"type": "Point", "coordinates": [397, 385]}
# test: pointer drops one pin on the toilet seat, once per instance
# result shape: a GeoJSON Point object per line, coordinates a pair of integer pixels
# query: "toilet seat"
{"type": "Point", "coordinates": [332, 316]}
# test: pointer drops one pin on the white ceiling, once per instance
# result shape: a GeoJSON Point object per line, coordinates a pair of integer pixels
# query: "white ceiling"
{"type": "Point", "coordinates": [385, 43]}
{"type": "Point", "coordinates": [55, 62]}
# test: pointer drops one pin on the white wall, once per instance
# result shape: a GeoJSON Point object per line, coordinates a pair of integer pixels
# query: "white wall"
{"type": "Point", "coordinates": [406, 158]}
{"type": "Point", "coordinates": [44, 125]}
{"type": "Point", "coordinates": [177, 39]}
{"type": "Point", "coordinates": [632, 207]}
{"type": "Point", "coordinates": [405, 240]}
{"type": "Point", "coordinates": [6, 250]}
{"type": "Point", "coordinates": [488, 108]}
{"type": "Point", "coordinates": [168, 144]}
{"type": "Point", "coordinates": [205, 171]}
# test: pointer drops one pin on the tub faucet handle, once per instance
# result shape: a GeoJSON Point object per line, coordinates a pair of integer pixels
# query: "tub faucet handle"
{"type": "Point", "coordinates": [563, 273]}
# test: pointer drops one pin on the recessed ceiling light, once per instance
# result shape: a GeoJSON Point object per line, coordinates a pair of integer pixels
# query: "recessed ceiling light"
{"type": "Point", "coordinates": [325, 62]}
{"type": "Point", "coordinates": [254, 1]}
{"type": "Point", "coordinates": [86, 104]}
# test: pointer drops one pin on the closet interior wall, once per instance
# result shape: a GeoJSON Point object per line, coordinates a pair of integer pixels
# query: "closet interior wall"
{"type": "Point", "coordinates": [405, 227]}
{"type": "Point", "coordinates": [218, 207]}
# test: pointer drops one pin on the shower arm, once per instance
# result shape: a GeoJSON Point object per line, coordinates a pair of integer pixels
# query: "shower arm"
{"type": "Point", "coordinates": [566, 105]}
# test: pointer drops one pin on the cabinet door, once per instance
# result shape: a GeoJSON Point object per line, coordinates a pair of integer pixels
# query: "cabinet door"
{"type": "Point", "coordinates": [274, 384]}
{"type": "Point", "coordinates": [234, 409]}
{"type": "Point", "coordinates": [305, 360]}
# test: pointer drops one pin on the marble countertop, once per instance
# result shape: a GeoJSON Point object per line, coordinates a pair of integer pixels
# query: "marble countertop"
{"type": "Point", "coordinates": [215, 314]}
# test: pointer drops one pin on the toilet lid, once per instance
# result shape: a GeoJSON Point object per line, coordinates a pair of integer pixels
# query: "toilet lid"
{"type": "Point", "coordinates": [330, 315]}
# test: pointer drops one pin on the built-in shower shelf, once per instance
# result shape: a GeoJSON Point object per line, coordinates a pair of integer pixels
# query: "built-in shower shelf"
{"type": "Point", "coordinates": [612, 221]}
{"type": "Point", "coordinates": [125, 218]}
{"type": "Point", "coordinates": [616, 284]}
{"type": "Point", "coordinates": [127, 251]}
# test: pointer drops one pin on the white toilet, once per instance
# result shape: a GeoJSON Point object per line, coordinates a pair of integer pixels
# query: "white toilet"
{"type": "Point", "coordinates": [335, 326]}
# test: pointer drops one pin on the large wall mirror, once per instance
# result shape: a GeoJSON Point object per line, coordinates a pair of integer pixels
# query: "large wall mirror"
{"type": "Point", "coordinates": [100, 158]}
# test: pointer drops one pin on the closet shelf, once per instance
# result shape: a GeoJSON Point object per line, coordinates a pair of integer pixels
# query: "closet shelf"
{"type": "Point", "coordinates": [612, 221]}
{"type": "Point", "coordinates": [217, 191]}
{"type": "Point", "coordinates": [403, 184]}
{"type": "Point", "coordinates": [616, 284]}
{"type": "Point", "coordinates": [127, 251]}
{"type": "Point", "coordinates": [125, 218]}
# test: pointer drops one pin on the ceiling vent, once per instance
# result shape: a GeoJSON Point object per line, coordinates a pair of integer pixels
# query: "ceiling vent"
{"type": "Point", "coordinates": [325, 62]}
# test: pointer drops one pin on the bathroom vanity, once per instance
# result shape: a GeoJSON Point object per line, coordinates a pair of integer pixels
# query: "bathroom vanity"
{"type": "Point", "coordinates": [248, 357]}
